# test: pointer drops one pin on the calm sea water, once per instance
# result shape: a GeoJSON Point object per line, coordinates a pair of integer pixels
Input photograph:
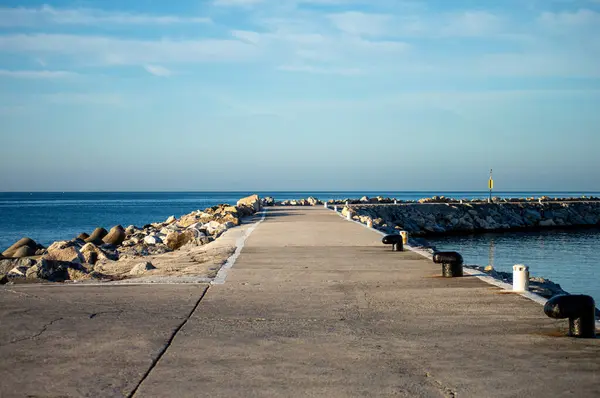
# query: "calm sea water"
{"type": "Point", "coordinates": [567, 258]}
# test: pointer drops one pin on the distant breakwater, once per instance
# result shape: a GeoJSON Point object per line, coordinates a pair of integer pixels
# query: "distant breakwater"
{"type": "Point", "coordinates": [422, 219]}
{"type": "Point", "coordinates": [439, 215]}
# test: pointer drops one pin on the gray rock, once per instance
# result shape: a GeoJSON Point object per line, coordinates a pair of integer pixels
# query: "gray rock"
{"type": "Point", "coordinates": [7, 264]}
{"type": "Point", "coordinates": [18, 272]}
{"type": "Point", "coordinates": [56, 271]}
{"type": "Point", "coordinates": [152, 240]}
{"type": "Point", "coordinates": [64, 251]}
{"type": "Point", "coordinates": [24, 251]}
{"type": "Point", "coordinates": [116, 236]}
{"type": "Point", "coordinates": [170, 220]}
{"type": "Point", "coordinates": [3, 279]}
{"type": "Point", "coordinates": [97, 236]}
{"type": "Point", "coordinates": [28, 242]}
{"type": "Point", "coordinates": [175, 240]}
{"type": "Point", "coordinates": [142, 268]}
{"type": "Point", "coordinates": [82, 236]}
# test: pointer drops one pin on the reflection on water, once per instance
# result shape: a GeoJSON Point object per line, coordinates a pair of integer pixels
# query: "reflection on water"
{"type": "Point", "coordinates": [569, 258]}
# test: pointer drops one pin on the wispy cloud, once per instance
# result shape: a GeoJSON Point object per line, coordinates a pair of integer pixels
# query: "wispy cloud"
{"type": "Point", "coordinates": [320, 70]}
{"type": "Point", "coordinates": [84, 98]}
{"type": "Point", "coordinates": [158, 70]}
{"type": "Point", "coordinates": [236, 3]}
{"type": "Point", "coordinates": [45, 15]}
{"type": "Point", "coordinates": [104, 50]}
{"type": "Point", "coordinates": [36, 74]}
{"type": "Point", "coordinates": [363, 24]}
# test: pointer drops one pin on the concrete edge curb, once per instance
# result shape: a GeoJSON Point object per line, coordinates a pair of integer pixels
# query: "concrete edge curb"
{"type": "Point", "coordinates": [221, 276]}
{"type": "Point", "coordinates": [485, 278]}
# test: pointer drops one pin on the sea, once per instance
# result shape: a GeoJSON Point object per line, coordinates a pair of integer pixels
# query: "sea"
{"type": "Point", "coordinates": [569, 258]}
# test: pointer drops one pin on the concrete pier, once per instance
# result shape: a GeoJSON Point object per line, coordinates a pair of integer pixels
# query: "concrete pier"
{"type": "Point", "coordinates": [315, 305]}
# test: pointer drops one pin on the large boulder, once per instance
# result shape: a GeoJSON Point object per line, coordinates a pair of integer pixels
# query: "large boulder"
{"type": "Point", "coordinates": [252, 202]}
{"type": "Point", "coordinates": [115, 236]}
{"type": "Point", "coordinates": [7, 264]}
{"type": "Point", "coordinates": [188, 219]}
{"type": "Point", "coordinates": [215, 228]}
{"type": "Point", "coordinates": [24, 251]}
{"type": "Point", "coordinates": [175, 240]}
{"type": "Point", "coordinates": [64, 251]}
{"type": "Point", "coordinates": [28, 242]}
{"type": "Point", "coordinates": [3, 279]}
{"type": "Point", "coordinates": [142, 268]}
{"type": "Point", "coordinates": [82, 236]}
{"type": "Point", "coordinates": [268, 201]}
{"type": "Point", "coordinates": [18, 272]}
{"type": "Point", "coordinates": [152, 240]}
{"type": "Point", "coordinates": [97, 236]}
{"type": "Point", "coordinates": [170, 220]}
{"type": "Point", "coordinates": [56, 271]}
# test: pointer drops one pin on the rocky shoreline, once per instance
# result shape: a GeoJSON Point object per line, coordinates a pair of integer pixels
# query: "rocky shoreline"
{"type": "Point", "coordinates": [175, 246]}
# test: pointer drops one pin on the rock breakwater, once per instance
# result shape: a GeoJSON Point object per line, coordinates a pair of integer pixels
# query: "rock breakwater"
{"type": "Point", "coordinates": [93, 256]}
{"type": "Point", "coordinates": [450, 218]}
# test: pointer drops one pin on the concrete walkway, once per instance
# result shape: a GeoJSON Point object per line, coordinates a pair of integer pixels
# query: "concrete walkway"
{"type": "Point", "coordinates": [314, 306]}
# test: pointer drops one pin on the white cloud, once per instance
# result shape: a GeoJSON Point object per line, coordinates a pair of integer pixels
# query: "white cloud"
{"type": "Point", "coordinates": [158, 70]}
{"type": "Point", "coordinates": [36, 74]}
{"type": "Point", "coordinates": [363, 24]}
{"type": "Point", "coordinates": [44, 15]}
{"type": "Point", "coordinates": [472, 23]}
{"type": "Point", "coordinates": [236, 3]}
{"type": "Point", "coordinates": [84, 98]}
{"type": "Point", "coordinates": [320, 70]}
{"type": "Point", "coordinates": [247, 36]}
{"type": "Point", "coordinates": [103, 50]}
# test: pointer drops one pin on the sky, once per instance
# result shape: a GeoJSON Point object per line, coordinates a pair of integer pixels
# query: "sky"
{"type": "Point", "coordinates": [366, 95]}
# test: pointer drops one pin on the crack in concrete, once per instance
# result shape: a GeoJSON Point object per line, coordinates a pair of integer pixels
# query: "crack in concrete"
{"type": "Point", "coordinates": [167, 345]}
{"type": "Point", "coordinates": [95, 314]}
{"type": "Point", "coordinates": [447, 391]}
{"type": "Point", "coordinates": [38, 334]}
{"type": "Point", "coordinates": [21, 293]}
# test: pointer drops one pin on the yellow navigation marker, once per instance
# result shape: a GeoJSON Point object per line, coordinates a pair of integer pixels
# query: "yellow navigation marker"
{"type": "Point", "coordinates": [490, 186]}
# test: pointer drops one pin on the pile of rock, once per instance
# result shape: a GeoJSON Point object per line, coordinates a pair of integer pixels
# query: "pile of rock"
{"type": "Point", "coordinates": [310, 201]}
{"type": "Point", "coordinates": [75, 259]}
{"type": "Point", "coordinates": [437, 218]}
{"type": "Point", "coordinates": [268, 201]}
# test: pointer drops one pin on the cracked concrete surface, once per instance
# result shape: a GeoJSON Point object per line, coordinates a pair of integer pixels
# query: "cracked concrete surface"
{"type": "Point", "coordinates": [86, 340]}
{"type": "Point", "coordinates": [314, 306]}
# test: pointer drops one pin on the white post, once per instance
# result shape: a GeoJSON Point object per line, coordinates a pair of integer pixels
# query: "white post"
{"type": "Point", "coordinates": [520, 278]}
{"type": "Point", "coordinates": [395, 201]}
{"type": "Point", "coordinates": [349, 215]}
{"type": "Point", "coordinates": [370, 223]}
{"type": "Point", "coordinates": [335, 208]}
{"type": "Point", "coordinates": [325, 205]}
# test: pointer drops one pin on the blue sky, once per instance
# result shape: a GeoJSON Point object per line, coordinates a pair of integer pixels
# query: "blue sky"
{"type": "Point", "coordinates": [299, 95]}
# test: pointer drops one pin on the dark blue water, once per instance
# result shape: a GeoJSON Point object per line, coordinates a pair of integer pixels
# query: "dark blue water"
{"type": "Point", "coordinates": [47, 217]}
{"type": "Point", "coordinates": [569, 258]}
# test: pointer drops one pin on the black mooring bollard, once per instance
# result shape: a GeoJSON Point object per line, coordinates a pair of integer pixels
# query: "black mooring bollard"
{"type": "Point", "coordinates": [395, 241]}
{"type": "Point", "coordinates": [579, 308]}
{"type": "Point", "coordinates": [451, 263]}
